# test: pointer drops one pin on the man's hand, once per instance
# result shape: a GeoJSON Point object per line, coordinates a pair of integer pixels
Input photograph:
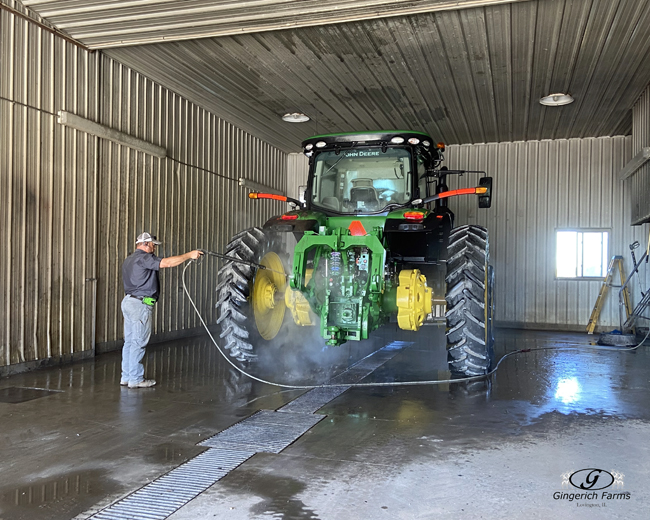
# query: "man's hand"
{"type": "Point", "coordinates": [173, 261]}
{"type": "Point", "coordinates": [196, 254]}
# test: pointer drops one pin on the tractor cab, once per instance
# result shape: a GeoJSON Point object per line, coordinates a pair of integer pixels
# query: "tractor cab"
{"type": "Point", "coordinates": [368, 173]}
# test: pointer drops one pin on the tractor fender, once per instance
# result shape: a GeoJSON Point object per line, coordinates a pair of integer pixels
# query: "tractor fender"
{"type": "Point", "coordinates": [291, 226]}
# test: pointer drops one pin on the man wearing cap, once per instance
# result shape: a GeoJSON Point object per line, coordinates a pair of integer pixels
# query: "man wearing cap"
{"type": "Point", "coordinates": [140, 275]}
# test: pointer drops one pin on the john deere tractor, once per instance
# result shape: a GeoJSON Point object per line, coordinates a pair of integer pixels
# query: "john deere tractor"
{"type": "Point", "coordinates": [373, 242]}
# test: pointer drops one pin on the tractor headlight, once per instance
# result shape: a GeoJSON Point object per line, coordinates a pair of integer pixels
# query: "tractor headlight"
{"type": "Point", "coordinates": [397, 140]}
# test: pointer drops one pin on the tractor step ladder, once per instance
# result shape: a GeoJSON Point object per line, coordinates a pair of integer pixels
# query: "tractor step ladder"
{"type": "Point", "coordinates": [600, 301]}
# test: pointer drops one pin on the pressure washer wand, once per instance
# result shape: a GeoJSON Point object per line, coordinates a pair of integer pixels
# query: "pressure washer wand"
{"type": "Point", "coordinates": [239, 261]}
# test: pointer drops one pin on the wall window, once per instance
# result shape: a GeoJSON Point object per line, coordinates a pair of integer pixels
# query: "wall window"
{"type": "Point", "coordinates": [582, 254]}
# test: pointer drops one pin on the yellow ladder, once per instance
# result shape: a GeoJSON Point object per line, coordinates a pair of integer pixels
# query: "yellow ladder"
{"type": "Point", "coordinates": [600, 301]}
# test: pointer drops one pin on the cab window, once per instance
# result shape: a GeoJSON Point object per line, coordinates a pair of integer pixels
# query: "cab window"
{"type": "Point", "coordinates": [362, 180]}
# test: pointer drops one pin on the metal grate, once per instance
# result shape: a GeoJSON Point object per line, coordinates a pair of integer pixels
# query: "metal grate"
{"type": "Point", "coordinates": [173, 490]}
{"type": "Point", "coordinates": [313, 400]}
{"type": "Point", "coordinates": [371, 363]}
{"type": "Point", "coordinates": [265, 431]}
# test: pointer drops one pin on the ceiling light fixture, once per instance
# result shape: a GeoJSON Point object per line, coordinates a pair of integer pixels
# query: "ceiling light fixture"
{"type": "Point", "coordinates": [556, 100]}
{"type": "Point", "coordinates": [296, 117]}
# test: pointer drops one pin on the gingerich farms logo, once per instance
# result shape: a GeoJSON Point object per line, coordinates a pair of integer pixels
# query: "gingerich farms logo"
{"type": "Point", "coordinates": [592, 487]}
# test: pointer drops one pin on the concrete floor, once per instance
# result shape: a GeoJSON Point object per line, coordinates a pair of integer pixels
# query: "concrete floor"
{"type": "Point", "coordinates": [489, 450]}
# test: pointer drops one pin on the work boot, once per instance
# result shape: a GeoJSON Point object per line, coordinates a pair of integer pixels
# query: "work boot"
{"type": "Point", "coordinates": [145, 383]}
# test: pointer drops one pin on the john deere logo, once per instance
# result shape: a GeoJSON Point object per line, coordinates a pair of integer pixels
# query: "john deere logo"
{"type": "Point", "coordinates": [591, 479]}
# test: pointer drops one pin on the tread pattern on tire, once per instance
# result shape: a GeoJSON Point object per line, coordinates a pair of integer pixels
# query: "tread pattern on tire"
{"type": "Point", "coordinates": [469, 353]}
{"type": "Point", "coordinates": [233, 290]}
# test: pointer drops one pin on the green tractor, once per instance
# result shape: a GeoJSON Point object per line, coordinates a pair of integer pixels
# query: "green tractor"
{"type": "Point", "coordinates": [373, 242]}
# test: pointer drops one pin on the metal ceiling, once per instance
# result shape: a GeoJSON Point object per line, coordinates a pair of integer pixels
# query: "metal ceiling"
{"type": "Point", "coordinates": [108, 23]}
{"type": "Point", "coordinates": [466, 76]}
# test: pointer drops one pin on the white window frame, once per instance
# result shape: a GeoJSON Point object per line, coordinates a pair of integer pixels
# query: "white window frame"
{"type": "Point", "coordinates": [579, 251]}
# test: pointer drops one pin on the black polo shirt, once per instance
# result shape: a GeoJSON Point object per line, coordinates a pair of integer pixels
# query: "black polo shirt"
{"type": "Point", "coordinates": [140, 274]}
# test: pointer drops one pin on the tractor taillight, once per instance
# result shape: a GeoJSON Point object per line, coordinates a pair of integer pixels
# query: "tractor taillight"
{"type": "Point", "coordinates": [414, 215]}
{"type": "Point", "coordinates": [289, 217]}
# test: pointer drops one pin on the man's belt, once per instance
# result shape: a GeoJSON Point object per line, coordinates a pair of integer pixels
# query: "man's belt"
{"type": "Point", "coordinates": [147, 300]}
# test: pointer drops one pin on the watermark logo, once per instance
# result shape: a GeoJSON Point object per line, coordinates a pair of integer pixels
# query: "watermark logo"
{"type": "Point", "coordinates": [591, 479]}
{"type": "Point", "coordinates": [591, 482]}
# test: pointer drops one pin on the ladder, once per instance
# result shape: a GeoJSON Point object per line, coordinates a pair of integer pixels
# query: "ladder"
{"type": "Point", "coordinates": [600, 301]}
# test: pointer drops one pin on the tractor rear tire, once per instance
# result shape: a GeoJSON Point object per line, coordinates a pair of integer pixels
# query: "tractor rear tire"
{"type": "Point", "coordinates": [469, 299]}
{"type": "Point", "coordinates": [235, 312]}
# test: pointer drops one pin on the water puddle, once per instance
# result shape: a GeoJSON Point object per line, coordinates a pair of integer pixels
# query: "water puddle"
{"type": "Point", "coordinates": [61, 497]}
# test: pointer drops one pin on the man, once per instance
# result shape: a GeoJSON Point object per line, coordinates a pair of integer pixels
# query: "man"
{"type": "Point", "coordinates": [140, 275]}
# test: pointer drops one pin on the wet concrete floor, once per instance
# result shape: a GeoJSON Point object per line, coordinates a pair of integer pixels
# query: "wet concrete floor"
{"type": "Point", "coordinates": [73, 441]}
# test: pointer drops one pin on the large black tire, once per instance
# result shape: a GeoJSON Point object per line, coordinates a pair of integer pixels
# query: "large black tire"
{"type": "Point", "coordinates": [469, 302]}
{"type": "Point", "coordinates": [490, 314]}
{"type": "Point", "coordinates": [235, 315]}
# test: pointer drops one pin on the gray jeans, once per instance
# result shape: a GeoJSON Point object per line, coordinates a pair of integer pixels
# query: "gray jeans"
{"type": "Point", "coordinates": [137, 331]}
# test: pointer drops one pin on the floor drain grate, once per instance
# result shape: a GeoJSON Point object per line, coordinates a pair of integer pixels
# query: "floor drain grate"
{"type": "Point", "coordinates": [315, 399]}
{"type": "Point", "coordinates": [265, 431]}
{"type": "Point", "coordinates": [173, 490]}
{"type": "Point", "coordinates": [371, 363]}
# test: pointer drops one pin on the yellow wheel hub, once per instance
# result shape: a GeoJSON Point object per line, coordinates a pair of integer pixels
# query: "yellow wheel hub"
{"type": "Point", "coordinates": [268, 296]}
{"type": "Point", "coordinates": [298, 304]}
{"type": "Point", "coordinates": [413, 299]}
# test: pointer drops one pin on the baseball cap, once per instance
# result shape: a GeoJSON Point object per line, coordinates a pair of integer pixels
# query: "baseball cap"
{"type": "Point", "coordinates": [146, 237]}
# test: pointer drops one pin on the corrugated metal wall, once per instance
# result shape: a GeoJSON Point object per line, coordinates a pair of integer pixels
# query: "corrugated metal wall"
{"type": "Point", "coordinates": [48, 193]}
{"type": "Point", "coordinates": [185, 207]}
{"type": "Point", "coordinates": [640, 181]}
{"type": "Point", "coordinates": [539, 187]}
{"type": "Point", "coordinates": [73, 203]}
{"type": "Point", "coordinates": [297, 170]}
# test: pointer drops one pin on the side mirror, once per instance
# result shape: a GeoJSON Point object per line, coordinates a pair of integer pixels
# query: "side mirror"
{"type": "Point", "coordinates": [485, 201]}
